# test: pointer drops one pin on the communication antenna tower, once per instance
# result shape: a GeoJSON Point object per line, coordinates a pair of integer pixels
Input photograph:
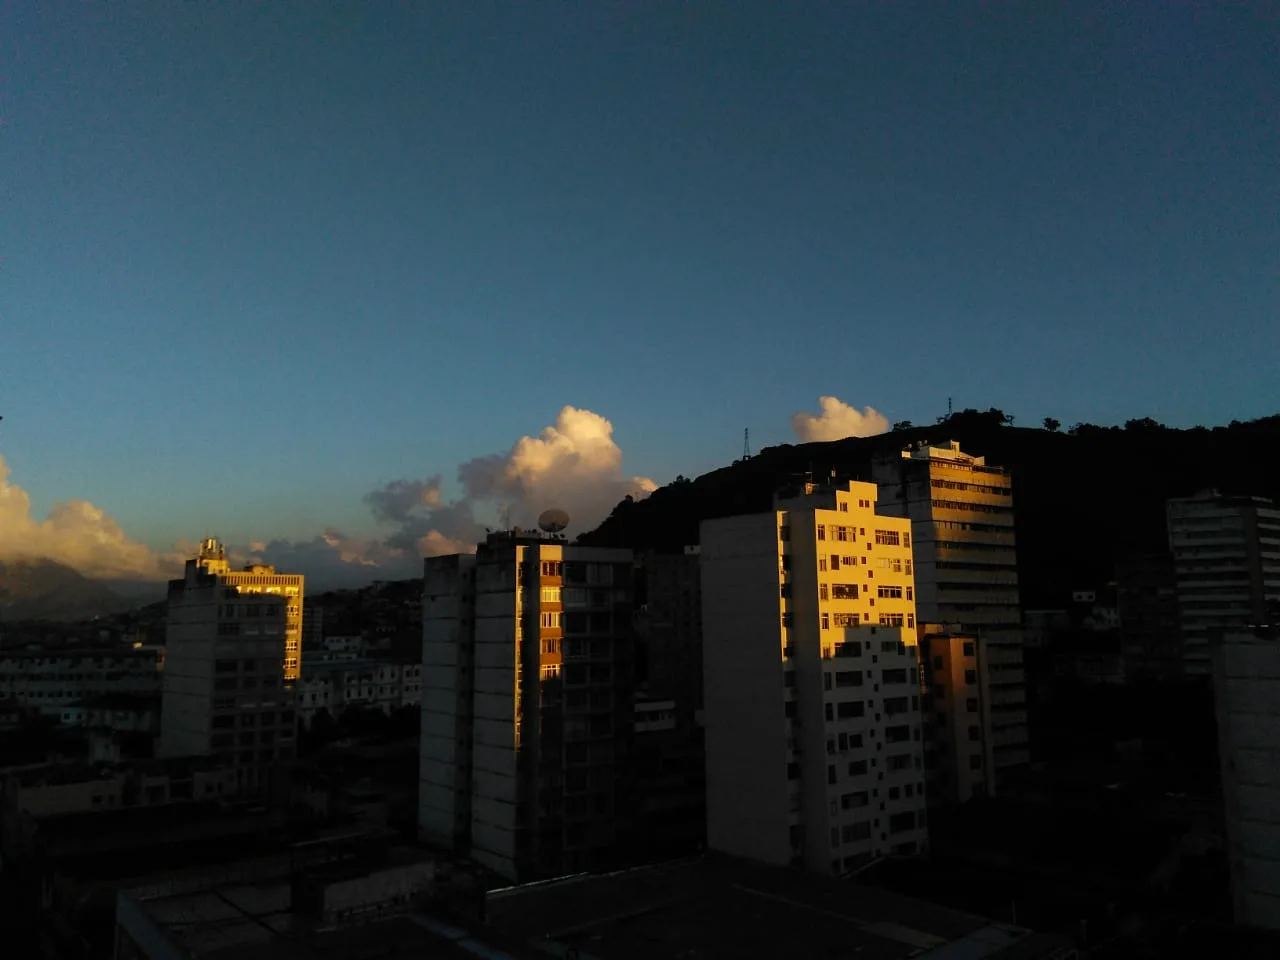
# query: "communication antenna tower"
{"type": "Point", "coordinates": [746, 443]}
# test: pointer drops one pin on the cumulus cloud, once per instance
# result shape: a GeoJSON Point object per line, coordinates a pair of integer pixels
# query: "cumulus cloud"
{"type": "Point", "coordinates": [837, 421]}
{"type": "Point", "coordinates": [78, 534]}
{"type": "Point", "coordinates": [574, 464]}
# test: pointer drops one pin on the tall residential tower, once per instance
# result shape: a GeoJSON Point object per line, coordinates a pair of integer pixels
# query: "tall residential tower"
{"type": "Point", "coordinates": [812, 700]}
{"type": "Point", "coordinates": [228, 678]}
{"type": "Point", "coordinates": [961, 513]}
{"type": "Point", "coordinates": [526, 668]}
{"type": "Point", "coordinates": [1226, 556]}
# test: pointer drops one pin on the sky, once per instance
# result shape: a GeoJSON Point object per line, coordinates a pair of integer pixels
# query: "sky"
{"type": "Point", "coordinates": [269, 269]}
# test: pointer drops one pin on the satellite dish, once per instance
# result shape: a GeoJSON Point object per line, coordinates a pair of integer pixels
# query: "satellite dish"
{"type": "Point", "coordinates": [553, 520]}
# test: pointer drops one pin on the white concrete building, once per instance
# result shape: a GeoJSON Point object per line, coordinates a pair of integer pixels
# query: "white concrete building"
{"type": "Point", "coordinates": [961, 513]}
{"type": "Point", "coordinates": [373, 684]}
{"type": "Point", "coordinates": [812, 703]}
{"type": "Point", "coordinates": [1246, 680]}
{"type": "Point", "coordinates": [526, 705]}
{"type": "Point", "coordinates": [227, 692]}
{"type": "Point", "coordinates": [1226, 555]}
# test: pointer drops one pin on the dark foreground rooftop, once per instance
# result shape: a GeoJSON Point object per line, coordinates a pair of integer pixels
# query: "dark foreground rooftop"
{"type": "Point", "coordinates": [715, 907]}
{"type": "Point", "coordinates": [701, 909]}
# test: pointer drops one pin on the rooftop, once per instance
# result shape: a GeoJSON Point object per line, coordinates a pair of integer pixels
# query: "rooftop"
{"type": "Point", "coordinates": [717, 906]}
{"type": "Point", "coordinates": [247, 911]}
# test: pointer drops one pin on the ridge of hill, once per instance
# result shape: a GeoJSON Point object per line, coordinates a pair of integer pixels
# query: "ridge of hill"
{"type": "Point", "coordinates": [1083, 498]}
{"type": "Point", "coordinates": [38, 588]}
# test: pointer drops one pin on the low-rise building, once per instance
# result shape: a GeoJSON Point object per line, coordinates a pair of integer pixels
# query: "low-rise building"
{"type": "Point", "coordinates": [121, 712]}
{"type": "Point", "coordinates": [371, 684]}
{"type": "Point", "coordinates": [51, 680]}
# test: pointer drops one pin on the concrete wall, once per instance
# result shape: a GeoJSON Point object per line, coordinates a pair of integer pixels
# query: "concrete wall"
{"type": "Point", "coordinates": [746, 730]}
{"type": "Point", "coordinates": [1247, 697]}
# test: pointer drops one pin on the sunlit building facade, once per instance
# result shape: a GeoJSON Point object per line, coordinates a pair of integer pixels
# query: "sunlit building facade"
{"type": "Point", "coordinates": [811, 671]}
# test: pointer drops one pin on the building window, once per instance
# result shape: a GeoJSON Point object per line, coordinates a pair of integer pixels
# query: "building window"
{"type": "Point", "coordinates": [971, 704]}
{"type": "Point", "coordinates": [826, 621]}
{"type": "Point", "coordinates": [848, 678]}
{"type": "Point", "coordinates": [888, 538]}
{"type": "Point", "coordinates": [822, 531]}
{"type": "Point", "coordinates": [844, 507]}
{"type": "Point", "coordinates": [551, 568]}
{"type": "Point", "coordinates": [887, 592]}
{"type": "Point", "coordinates": [784, 532]}
{"type": "Point", "coordinates": [550, 620]}
{"type": "Point", "coordinates": [822, 563]}
{"type": "Point", "coordinates": [911, 621]}
{"type": "Point", "coordinates": [910, 594]}
{"type": "Point", "coordinates": [975, 733]}
{"type": "Point", "coordinates": [852, 801]}
{"type": "Point", "coordinates": [829, 711]}
{"type": "Point", "coordinates": [793, 771]}
{"type": "Point", "coordinates": [857, 768]}
{"type": "Point", "coordinates": [853, 832]}
{"type": "Point", "coordinates": [975, 761]}
{"type": "Point", "coordinates": [822, 591]}
{"type": "Point", "coordinates": [550, 645]}
{"type": "Point", "coordinates": [835, 561]}
{"type": "Point", "coordinates": [968, 648]}
{"type": "Point", "coordinates": [906, 539]}
{"type": "Point", "coordinates": [849, 709]}
{"type": "Point", "coordinates": [550, 594]}
{"type": "Point", "coordinates": [831, 773]}
{"type": "Point", "coordinates": [971, 676]}
{"type": "Point", "coordinates": [899, 761]}
{"type": "Point", "coordinates": [891, 619]}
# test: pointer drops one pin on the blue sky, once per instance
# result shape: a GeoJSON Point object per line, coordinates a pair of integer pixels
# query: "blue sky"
{"type": "Point", "coordinates": [259, 259]}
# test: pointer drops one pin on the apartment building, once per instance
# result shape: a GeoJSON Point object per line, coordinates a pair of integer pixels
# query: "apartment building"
{"type": "Point", "coordinates": [1246, 681]}
{"type": "Point", "coordinates": [1226, 556]}
{"type": "Point", "coordinates": [258, 578]}
{"type": "Point", "coordinates": [961, 513]}
{"type": "Point", "coordinates": [228, 683]}
{"type": "Point", "coordinates": [527, 709]}
{"type": "Point", "coordinates": [812, 703]}
{"type": "Point", "coordinates": [956, 711]}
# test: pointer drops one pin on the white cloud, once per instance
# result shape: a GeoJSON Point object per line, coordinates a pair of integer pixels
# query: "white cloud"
{"type": "Point", "coordinates": [574, 464]}
{"type": "Point", "coordinates": [837, 421]}
{"type": "Point", "coordinates": [78, 534]}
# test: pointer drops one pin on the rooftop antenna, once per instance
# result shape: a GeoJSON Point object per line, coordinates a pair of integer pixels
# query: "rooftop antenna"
{"type": "Point", "coordinates": [746, 443]}
{"type": "Point", "coordinates": [948, 408]}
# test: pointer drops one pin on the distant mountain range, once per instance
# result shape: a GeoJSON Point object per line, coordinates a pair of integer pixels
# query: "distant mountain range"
{"type": "Point", "coordinates": [1084, 497]}
{"type": "Point", "coordinates": [40, 589]}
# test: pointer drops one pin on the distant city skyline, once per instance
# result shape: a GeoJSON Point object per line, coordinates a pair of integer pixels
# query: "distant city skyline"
{"type": "Point", "coordinates": [276, 274]}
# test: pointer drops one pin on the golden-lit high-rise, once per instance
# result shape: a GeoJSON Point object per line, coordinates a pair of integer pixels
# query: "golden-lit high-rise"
{"type": "Point", "coordinates": [231, 641]}
{"type": "Point", "coordinates": [262, 578]}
